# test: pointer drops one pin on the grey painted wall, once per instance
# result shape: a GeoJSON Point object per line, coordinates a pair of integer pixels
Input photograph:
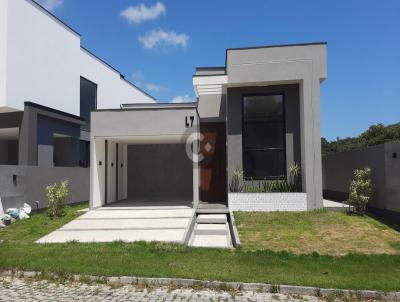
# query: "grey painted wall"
{"type": "Point", "coordinates": [302, 64]}
{"type": "Point", "coordinates": [3, 152]}
{"type": "Point", "coordinates": [8, 152]}
{"type": "Point", "coordinates": [166, 121]}
{"type": "Point", "coordinates": [210, 71]}
{"type": "Point", "coordinates": [159, 172]}
{"type": "Point", "coordinates": [271, 64]}
{"type": "Point", "coordinates": [31, 182]}
{"type": "Point", "coordinates": [10, 119]}
{"type": "Point", "coordinates": [67, 152]}
{"type": "Point", "coordinates": [392, 166]}
{"type": "Point", "coordinates": [338, 172]}
{"type": "Point", "coordinates": [212, 108]}
{"type": "Point", "coordinates": [47, 127]}
{"type": "Point", "coordinates": [38, 127]}
{"type": "Point", "coordinates": [234, 124]}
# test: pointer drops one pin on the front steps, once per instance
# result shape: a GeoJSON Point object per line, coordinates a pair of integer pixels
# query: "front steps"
{"type": "Point", "coordinates": [211, 218]}
{"type": "Point", "coordinates": [211, 230]}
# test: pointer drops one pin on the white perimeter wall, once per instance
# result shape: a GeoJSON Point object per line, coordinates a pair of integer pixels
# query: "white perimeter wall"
{"type": "Point", "coordinates": [45, 62]}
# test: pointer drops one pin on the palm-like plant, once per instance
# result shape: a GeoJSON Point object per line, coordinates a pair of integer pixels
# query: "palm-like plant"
{"type": "Point", "coordinates": [236, 180]}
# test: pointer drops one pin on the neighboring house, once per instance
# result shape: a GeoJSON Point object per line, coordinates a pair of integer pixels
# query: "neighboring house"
{"type": "Point", "coordinates": [384, 161]}
{"type": "Point", "coordinates": [49, 84]}
{"type": "Point", "coordinates": [260, 112]}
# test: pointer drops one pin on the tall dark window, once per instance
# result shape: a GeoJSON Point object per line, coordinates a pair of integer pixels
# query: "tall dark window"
{"type": "Point", "coordinates": [263, 137]}
{"type": "Point", "coordinates": [88, 99]}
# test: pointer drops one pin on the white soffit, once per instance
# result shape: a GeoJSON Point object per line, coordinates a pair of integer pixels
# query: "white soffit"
{"type": "Point", "coordinates": [212, 84]}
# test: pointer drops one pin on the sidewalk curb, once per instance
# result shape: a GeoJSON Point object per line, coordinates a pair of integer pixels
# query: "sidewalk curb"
{"type": "Point", "coordinates": [225, 286]}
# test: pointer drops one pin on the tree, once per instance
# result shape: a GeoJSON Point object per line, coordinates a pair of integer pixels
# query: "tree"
{"type": "Point", "coordinates": [375, 135]}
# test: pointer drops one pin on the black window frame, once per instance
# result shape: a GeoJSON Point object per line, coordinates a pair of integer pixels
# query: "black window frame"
{"type": "Point", "coordinates": [87, 126]}
{"type": "Point", "coordinates": [284, 176]}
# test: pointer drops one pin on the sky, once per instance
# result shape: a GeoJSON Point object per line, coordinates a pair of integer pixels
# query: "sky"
{"type": "Point", "coordinates": [158, 44]}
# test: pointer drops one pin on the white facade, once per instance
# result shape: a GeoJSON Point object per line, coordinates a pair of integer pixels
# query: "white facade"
{"type": "Point", "coordinates": [41, 60]}
{"type": "Point", "coordinates": [112, 90]}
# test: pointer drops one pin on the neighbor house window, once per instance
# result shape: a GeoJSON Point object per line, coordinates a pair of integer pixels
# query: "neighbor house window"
{"type": "Point", "coordinates": [88, 98]}
{"type": "Point", "coordinates": [264, 155]}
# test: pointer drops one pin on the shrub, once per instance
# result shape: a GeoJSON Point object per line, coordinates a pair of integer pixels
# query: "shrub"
{"type": "Point", "coordinates": [236, 180]}
{"type": "Point", "coordinates": [294, 177]}
{"type": "Point", "coordinates": [293, 183]}
{"type": "Point", "coordinates": [267, 186]}
{"type": "Point", "coordinates": [360, 190]}
{"type": "Point", "coordinates": [56, 196]}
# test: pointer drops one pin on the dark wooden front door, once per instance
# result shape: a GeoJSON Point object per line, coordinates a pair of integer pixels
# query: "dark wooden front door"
{"type": "Point", "coordinates": [213, 166]}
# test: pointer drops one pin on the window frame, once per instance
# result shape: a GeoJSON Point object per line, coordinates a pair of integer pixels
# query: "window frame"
{"type": "Point", "coordinates": [95, 101]}
{"type": "Point", "coordinates": [284, 176]}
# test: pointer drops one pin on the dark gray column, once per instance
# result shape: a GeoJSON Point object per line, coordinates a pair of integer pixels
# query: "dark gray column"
{"type": "Point", "coordinates": [27, 154]}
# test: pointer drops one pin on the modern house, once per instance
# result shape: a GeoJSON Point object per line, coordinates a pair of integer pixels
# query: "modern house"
{"type": "Point", "coordinates": [49, 84]}
{"type": "Point", "coordinates": [259, 112]}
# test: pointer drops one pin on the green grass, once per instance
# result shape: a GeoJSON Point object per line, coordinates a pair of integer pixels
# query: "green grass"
{"type": "Point", "coordinates": [331, 233]}
{"type": "Point", "coordinates": [354, 271]}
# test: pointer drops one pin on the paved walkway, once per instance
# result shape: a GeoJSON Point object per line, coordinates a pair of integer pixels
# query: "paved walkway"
{"type": "Point", "coordinates": [20, 290]}
{"type": "Point", "coordinates": [331, 205]}
{"type": "Point", "coordinates": [127, 221]}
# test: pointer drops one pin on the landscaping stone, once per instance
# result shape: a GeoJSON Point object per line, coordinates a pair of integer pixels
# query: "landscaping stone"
{"type": "Point", "coordinates": [17, 289]}
{"type": "Point", "coordinates": [184, 289]}
{"type": "Point", "coordinates": [297, 290]}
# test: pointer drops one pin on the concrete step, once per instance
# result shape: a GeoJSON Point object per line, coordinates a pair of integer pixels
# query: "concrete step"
{"type": "Point", "coordinates": [212, 211]}
{"type": "Point", "coordinates": [165, 235]}
{"type": "Point", "coordinates": [211, 218]}
{"type": "Point", "coordinates": [136, 223]}
{"type": "Point", "coordinates": [211, 229]}
{"type": "Point", "coordinates": [217, 241]}
{"type": "Point", "coordinates": [124, 214]}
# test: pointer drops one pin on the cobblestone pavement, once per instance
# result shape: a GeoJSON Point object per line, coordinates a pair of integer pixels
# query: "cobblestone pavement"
{"type": "Point", "coordinates": [22, 290]}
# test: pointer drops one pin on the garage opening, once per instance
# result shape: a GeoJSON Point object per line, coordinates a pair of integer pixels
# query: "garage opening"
{"type": "Point", "coordinates": [147, 153]}
{"type": "Point", "coordinates": [140, 171]}
{"type": "Point", "coordinates": [159, 172]}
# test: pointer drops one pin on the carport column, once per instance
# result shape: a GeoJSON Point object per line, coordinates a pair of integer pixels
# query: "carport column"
{"type": "Point", "coordinates": [122, 171]}
{"type": "Point", "coordinates": [97, 172]}
{"type": "Point", "coordinates": [125, 172]}
{"type": "Point", "coordinates": [111, 172]}
{"type": "Point", "coordinates": [311, 142]}
{"type": "Point", "coordinates": [196, 170]}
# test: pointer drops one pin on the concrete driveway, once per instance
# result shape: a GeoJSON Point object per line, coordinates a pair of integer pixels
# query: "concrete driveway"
{"type": "Point", "coordinates": [129, 222]}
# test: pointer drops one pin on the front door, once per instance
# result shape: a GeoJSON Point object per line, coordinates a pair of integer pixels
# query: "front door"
{"type": "Point", "coordinates": [213, 166]}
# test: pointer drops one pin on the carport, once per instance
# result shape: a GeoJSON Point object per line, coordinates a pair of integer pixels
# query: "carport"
{"type": "Point", "coordinates": [142, 154]}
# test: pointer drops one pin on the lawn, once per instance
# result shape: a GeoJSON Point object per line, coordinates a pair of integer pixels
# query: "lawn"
{"type": "Point", "coordinates": [332, 233]}
{"type": "Point", "coordinates": [356, 271]}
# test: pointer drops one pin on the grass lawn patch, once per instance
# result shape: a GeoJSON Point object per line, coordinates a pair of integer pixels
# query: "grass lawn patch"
{"type": "Point", "coordinates": [332, 233]}
{"type": "Point", "coordinates": [355, 271]}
